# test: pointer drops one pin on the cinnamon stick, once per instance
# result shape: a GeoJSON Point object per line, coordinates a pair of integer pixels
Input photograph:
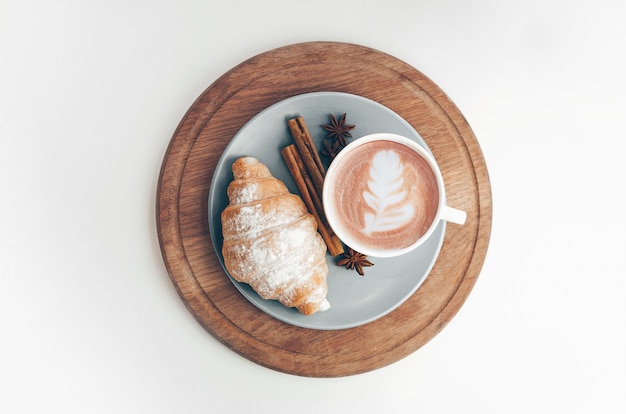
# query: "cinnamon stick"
{"type": "Point", "coordinates": [308, 151]}
{"type": "Point", "coordinates": [310, 186]}
{"type": "Point", "coordinates": [308, 192]}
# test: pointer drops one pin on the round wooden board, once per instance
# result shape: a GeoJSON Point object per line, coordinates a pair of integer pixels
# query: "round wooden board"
{"type": "Point", "coordinates": [182, 216]}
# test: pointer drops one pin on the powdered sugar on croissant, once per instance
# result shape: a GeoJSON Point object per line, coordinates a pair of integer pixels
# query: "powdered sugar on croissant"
{"type": "Point", "coordinates": [271, 241]}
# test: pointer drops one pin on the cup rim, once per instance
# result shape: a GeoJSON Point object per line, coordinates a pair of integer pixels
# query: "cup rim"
{"type": "Point", "coordinates": [327, 194]}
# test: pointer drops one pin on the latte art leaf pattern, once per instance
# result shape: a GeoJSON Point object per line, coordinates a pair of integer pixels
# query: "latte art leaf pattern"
{"type": "Point", "coordinates": [385, 196]}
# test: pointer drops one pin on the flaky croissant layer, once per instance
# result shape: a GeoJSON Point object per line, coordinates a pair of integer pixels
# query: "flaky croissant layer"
{"type": "Point", "coordinates": [271, 241]}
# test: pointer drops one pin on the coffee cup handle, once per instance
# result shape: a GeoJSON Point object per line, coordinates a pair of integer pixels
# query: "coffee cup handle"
{"type": "Point", "coordinates": [453, 215]}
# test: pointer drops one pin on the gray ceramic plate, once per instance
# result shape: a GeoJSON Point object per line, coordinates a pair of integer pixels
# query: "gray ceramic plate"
{"type": "Point", "coordinates": [355, 300]}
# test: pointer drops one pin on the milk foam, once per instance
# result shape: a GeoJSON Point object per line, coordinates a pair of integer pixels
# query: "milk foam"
{"type": "Point", "coordinates": [386, 194]}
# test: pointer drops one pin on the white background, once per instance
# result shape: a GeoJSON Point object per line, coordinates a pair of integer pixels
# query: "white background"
{"type": "Point", "coordinates": [90, 95]}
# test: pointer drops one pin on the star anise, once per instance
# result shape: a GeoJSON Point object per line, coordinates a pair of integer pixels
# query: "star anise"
{"type": "Point", "coordinates": [330, 151]}
{"type": "Point", "coordinates": [338, 130]}
{"type": "Point", "coordinates": [354, 260]}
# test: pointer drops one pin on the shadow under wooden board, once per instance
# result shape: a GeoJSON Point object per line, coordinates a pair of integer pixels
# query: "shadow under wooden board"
{"type": "Point", "coordinates": [183, 223]}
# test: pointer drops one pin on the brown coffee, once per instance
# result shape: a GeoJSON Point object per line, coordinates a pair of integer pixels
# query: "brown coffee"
{"type": "Point", "coordinates": [385, 195]}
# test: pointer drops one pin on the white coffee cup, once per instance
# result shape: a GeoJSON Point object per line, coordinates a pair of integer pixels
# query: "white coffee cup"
{"type": "Point", "coordinates": [384, 195]}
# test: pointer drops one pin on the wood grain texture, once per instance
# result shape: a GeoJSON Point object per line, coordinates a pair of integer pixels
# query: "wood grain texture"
{"type": "Point", "coordinates": [182, 204]}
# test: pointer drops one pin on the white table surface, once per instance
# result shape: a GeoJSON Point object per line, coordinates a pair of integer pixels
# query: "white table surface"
{"type": "Point", "coordinates": [90, 95]}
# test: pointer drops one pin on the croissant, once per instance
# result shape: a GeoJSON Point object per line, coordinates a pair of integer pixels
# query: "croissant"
{"type": "Point", "coordinates": [271, 240]}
